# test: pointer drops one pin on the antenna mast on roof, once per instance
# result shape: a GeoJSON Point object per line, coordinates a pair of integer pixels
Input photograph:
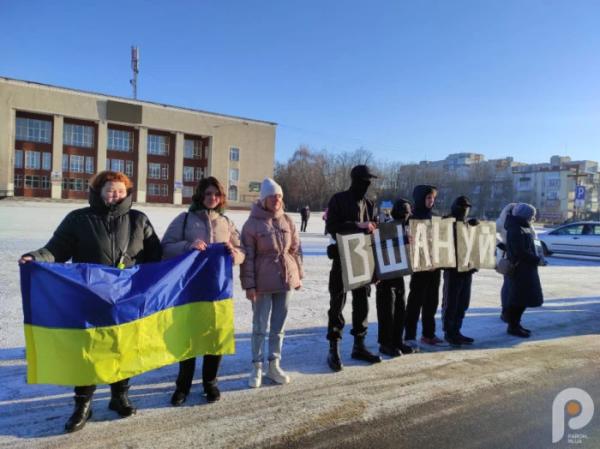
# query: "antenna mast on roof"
{"type": "Point", "coordinates": [135, 59]}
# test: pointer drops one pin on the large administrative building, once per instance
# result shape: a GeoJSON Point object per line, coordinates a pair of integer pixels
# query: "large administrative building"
{"type": "Point", "coordinates": [53, 139]}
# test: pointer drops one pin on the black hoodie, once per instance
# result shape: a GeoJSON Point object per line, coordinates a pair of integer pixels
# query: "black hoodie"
{"type": "Point", "coordinates": [102, 234]}
{"type": "Point", "coordinates": [419, 193]}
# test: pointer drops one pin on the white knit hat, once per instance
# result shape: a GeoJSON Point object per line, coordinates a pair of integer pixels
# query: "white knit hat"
{"type": "Point", "coordinates": [268, 188]}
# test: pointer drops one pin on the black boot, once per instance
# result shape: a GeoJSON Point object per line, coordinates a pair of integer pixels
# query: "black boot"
{"type": "Point", "coordinates": [517, 331]}
{"type": "Point", "coordinates": [360, 351]}
{"type": "Point", "coordinates": [119, 402]}
{"type": "Point", "coordinates": [454, 340]}
{"type": "Point", "coordinates": [466, 340]}
{"type": "Point", "coordinates": [212, 392]}
{"type": "Point", "coordinates": [83, 412]}
{"type": "Point", "coordinates": [179, 397]}
{"type": "Point", "coordinates": [405, 349]}
{"type": "Point", "coordinates": [525, 330]}
{"type": "Point", "coordinates": [333, 358]}
{"type": "Point", "coordinates": [391, 351]}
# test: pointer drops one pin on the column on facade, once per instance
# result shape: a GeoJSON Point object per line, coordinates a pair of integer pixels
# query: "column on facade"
{"type": "Point", "coordinates": [57, 156]}
{"type": "Point", "coordinates": [209, 158]}
{"type": "Point", "coordinates": [142, 164]}
{"type": "Point", "coordinates": [7, 158]}
{"type": "Point", "coordinates": [178, 181]}
{"type": "Point", "coordinates": [102, 146]}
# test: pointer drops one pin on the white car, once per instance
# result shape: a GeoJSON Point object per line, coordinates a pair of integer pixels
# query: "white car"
{"type": "Point", "coordinates": [574, 238]}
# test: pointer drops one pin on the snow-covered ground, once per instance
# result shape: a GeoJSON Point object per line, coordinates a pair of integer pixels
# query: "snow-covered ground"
{"type": "Point", "coordinates": [33, 415]}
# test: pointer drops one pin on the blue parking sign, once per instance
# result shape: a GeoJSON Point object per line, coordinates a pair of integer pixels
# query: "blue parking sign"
{"type": "Point", "coordinates": [580, 192]}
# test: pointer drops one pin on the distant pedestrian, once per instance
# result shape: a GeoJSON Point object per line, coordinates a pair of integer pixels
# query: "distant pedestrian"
{"type": "Point", "coordinates": [305, 215]}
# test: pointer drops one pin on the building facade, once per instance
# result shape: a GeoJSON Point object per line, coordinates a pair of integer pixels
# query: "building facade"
{"type": "Point", "coordinates": [53, 140]}
{"type": "Point", "coordinates": [550, 187]}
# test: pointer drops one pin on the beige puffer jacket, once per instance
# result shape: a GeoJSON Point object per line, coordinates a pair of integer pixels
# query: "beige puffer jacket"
{"type": "Point", "coordinates": [273, 253]}
{"type": "Point", "coordinates": [210, 226]}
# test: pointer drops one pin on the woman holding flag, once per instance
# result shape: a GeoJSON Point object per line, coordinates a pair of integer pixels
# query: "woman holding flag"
{"type": "Point", "coordinates": [202, 225]}
{"type": "Point", "coordinates": [108, 232]}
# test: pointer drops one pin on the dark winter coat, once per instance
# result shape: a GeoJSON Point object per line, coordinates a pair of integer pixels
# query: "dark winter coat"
{"type": "Point", "coordinates": [103, 235]}
{"type": "Point", "coordinates": [419, 193]}
{"type": "Point", "coordinates": [345, 210]}
{"type": "Point", "coordinates": [523, 288]}
{"type": "Point", "coordinates": [305, 213]}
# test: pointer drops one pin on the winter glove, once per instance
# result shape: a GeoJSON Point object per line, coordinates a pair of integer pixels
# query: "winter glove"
{"type": "Point", "coordinates": [473, 222]}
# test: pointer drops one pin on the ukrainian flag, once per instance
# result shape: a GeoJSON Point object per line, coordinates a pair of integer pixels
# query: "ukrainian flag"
{"type": "Point", "coordinates": [92, 324]}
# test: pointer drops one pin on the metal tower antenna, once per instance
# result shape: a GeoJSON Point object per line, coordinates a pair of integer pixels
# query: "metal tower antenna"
{"type": "Point", "coordinates": [135, 59]}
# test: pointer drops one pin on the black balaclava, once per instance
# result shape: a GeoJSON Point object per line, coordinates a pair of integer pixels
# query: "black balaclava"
{"type": "Point", "coordinates": [359, 188]}
{"type": "Point", "coordinates": [460, 208]}
{"type": "Point", "coordinates": [402, 210]}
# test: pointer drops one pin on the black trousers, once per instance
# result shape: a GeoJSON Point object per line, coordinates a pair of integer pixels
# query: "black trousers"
{"type": "Point", "coordinates": [115, 389]}
{"type": "Point", "coordinates": [210, 368]}
{"type": "Point", "coordinates": [390, 312]}
{"type": "Point", "coordinates": [303, 225]}
{"type": "Point", "coordinates": [423, 299]}
{"type": "Point", "coordinates": [455, 300]}
{"type": "Point", "coordinates": [514, 314]}
{"type": "Point", "coordinates": [337, 301]}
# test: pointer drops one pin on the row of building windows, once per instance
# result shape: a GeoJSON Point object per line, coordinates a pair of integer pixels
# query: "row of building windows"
{"type": "Point", "coordinates": [78, 135]}
{"type": "Point", "coordinates": [34, 160]}
{"type": "Point", "coordinates": [158, 171]}
{"type": "Point", "coordinates": [32, 182]}
{"type": "Point", "coordinates": [80, 185]}
{"type": "Point", "coordinates": [120, 140]}
{"type": "Point", "coordinates": [193, 173]}
{"type": "Point", "coordinates": [35, 130]}
{"type": "Point", "coordinates": [76, 184]}
{"type": "Point", "coordinates": [78, 164]}
{"type": "Point", "coordinates": [158, 189]}
{"type": "Point", "coordinates": [192, 149]}
{"type": "Point", "coordinates": [120, 165]}
{"type": "Point", "coordinates": [158, 145]}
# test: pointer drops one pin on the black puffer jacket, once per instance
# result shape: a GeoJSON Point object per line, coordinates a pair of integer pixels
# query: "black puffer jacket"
{"type": "Point", "coordinates": [102, 234]}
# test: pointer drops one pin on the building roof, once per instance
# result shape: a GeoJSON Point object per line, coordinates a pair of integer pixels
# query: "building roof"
{"type": "Point", "coordinates": [131, 100]}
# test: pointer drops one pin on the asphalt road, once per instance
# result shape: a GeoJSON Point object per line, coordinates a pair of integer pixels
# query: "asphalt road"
{"type": "Point", "coordinates": [501, 418]}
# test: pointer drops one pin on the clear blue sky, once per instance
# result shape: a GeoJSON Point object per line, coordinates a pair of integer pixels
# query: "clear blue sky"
{"type": "Point", "coordinates": [408, 80]}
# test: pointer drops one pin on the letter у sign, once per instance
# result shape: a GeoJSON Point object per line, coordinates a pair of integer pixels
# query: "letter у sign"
{"type": "Point", "coordinates": [433, 245]}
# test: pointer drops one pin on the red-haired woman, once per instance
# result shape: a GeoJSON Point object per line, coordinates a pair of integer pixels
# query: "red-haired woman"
{"type": "Point", "coordinates": [203, 224]}
{"type": "Point", "coordinates": [108, 232]}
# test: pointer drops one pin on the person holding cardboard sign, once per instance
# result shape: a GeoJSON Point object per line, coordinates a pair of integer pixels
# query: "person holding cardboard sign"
{"type": "Point", "coordinates": [423, 298]}
{"type": "Point", "coordinates": [457, 285]}
{"type": "Point", "coordinates": [390, 298]}
{"type": "Point", "coordinates": [349, 212]}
